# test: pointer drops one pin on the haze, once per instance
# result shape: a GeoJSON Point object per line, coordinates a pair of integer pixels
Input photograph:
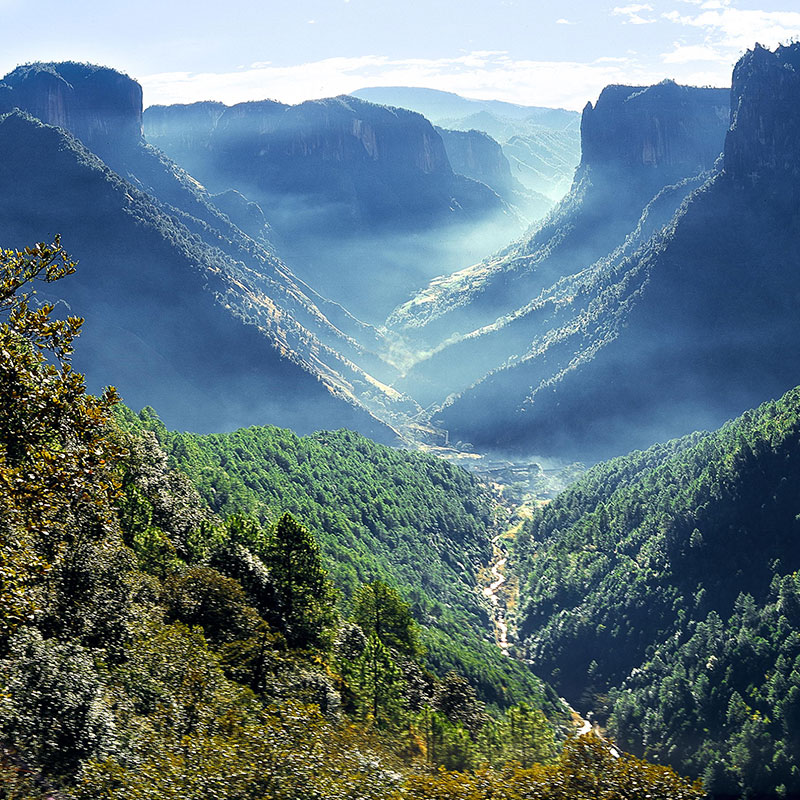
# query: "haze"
{"type": "Point", "coordinates": [544, 53]}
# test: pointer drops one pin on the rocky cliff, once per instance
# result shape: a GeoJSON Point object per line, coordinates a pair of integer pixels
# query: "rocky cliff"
{"type": "Point", "coordinates": [100, 106]}
{"type": "Point", "coordinates": [477, 155]}
{"type": "Point", "coordinates": [761, 149]}
{"type": "Point", "coordinates": [669, 129]}
{"type": "Point", "coordinates": [635, 142]}
{"type": "Point", "coordinates": [379, 165]}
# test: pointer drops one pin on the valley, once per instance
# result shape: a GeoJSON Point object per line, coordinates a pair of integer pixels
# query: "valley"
{"type": "Point", "coordinates": [440, 419]}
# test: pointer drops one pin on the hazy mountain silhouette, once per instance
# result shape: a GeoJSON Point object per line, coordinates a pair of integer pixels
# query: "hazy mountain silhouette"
{"type": "Point", "coordinates": [345, 184]}
{"type": "Point", "coordinates": [635, 141]}
{"type": "Point", "coordinates": [694, 326]}
{"type": "Point", "coordinates": [541, 144]}
{"type": "Point", "coordinates": [184, 310]}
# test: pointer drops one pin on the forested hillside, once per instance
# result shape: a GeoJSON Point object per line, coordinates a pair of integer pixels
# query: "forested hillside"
{"type": "Point", "coordinates": [409, 519]}
{"type": "Point", "coordinates": [150, 648]}
{"type": "Point", "coordinates": [662, 591]}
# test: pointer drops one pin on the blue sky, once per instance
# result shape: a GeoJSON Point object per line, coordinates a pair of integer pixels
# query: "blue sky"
{"type": "Point", "coordinates": [535, 52]}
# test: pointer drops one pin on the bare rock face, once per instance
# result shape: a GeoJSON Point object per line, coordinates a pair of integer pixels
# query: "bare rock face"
{"type": "Point", "coordinates": [364, 164]}
{"type": "Point", "coordinates": [100, 106]}
{"type": "Point", "coordinates": [662, 128]}
{"type": "Point", "coordinates": [761, 149]}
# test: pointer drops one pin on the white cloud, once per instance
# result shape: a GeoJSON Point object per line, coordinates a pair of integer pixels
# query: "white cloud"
{"type": "Point", "coordinates": [686, 54]}
{"type": "Point", "coordinates": [563, 21]}
{"type": "Point", "coordinates": [736, 29]}
{"type": "Point", "coordinates": [632, 12]}
{"type": "Point", "coordinates": [481, 74]}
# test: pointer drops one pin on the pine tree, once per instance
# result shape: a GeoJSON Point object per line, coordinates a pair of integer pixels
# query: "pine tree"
{"type": "Point", "coordinates": [304, 598]}
{"type": "Point", "coordinates": [379, 684]}
{"type": "Point", "coordinates": [380, 610]}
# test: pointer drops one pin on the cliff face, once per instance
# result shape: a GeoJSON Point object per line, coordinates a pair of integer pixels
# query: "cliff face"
{"type": "Point", "coordinates": [689, 329]}
{"type": "Point", "coordinates": [761, 149]}
{"type": "Point", "coordinates": [100, 106]}
{"type": "Point", "coordinates": [666, 127]}
{"type": "Point", "coordinates": [332, 148]}
{"type": "Point", "coordinates": [635, 142]}
{"type": "Point", "coordinates": [476, 155]}
{"type": "Point", "coordinates": [378, 165]}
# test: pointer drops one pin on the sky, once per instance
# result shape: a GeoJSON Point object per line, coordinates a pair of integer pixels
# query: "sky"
{"type": "Point", "coordinates": [557, 53]}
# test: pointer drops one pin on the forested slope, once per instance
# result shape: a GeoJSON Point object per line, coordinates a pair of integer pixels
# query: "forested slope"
{"type": "Point", "coordinates": [415, 521]}
{"type": "Point", "coordinates": [662, 590]}
{"type": "Point", "coordinates": [151, 649]}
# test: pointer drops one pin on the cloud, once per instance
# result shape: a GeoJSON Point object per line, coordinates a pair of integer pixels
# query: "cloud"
{"type": "Point", "coordinates": [632, 12]}
{"type": "Point", "coordinates": [686, 54]}
{"type": "Point", "coordinates": [563, 21]}
{"type": "Point", "coordinates": [734, 29]}
{"type": "Point", "coordinates": [480, 74]}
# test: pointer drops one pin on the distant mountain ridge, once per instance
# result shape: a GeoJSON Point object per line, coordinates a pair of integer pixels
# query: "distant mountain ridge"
{"type": "Point", "coordinates": [635, 141]}
{"type": "Point", "coordinates": [694, 326]}
{"type": "Point", "coordinates": [437, 105]}
{"type": "Point", "coordinates": [181, 304]}
{"type": "Point", "coordinates": [542, 144]}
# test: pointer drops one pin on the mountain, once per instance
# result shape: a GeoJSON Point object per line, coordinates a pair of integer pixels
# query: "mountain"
{"type": "Point", "coordinates": [634, 142]}
{"type": "Point", "coordinates": [662, 592]}
{"type": "Point", "coordinates": [335, 178]}
{"type": "Point", "coordinates": [542, 144]}
{"type": "Point", "coordinates": [164, 274]}
{"type": "Point", "coordinates": [477, 155]}
{"type": "Point", "coordinates": [437, 105]}
{"type": "Point", "coordinates": [690, 329]}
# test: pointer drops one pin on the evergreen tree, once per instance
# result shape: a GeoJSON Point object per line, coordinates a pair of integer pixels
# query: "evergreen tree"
{"type": "Point", "coordinates": [379, 684]}
{"type": "Point", "coordinates": [304, 598]}
{"type": "Point", "coordinates": [380, 610]}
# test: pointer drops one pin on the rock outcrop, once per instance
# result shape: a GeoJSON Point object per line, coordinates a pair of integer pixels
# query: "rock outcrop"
{"type": "Point", "coordinates": [667, 129]}
{"type": "Point", "coordinates": [761, 149]}
{"type": "Point", "coordinates": [635, 141]}
{"type": "Point", "coordinates": [98, 105]}
{"type": "Point", "coordinates": [365, 165]}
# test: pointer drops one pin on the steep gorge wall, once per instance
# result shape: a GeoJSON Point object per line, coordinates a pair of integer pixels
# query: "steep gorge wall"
{"type": "Point", "coordinates": [100, 106]}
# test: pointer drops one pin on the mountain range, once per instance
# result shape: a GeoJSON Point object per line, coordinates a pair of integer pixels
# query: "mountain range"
{"type": "Point", "coordinates": [542, 145]}
{"type": "Point", "coordinates": [344, 184]}
{"type": "Point", "coordinates": [165, 278]}
{"type": "Point", "coordinates": [648, 315]}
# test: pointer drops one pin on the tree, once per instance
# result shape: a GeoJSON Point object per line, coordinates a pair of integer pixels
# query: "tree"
{"type": "Point", "coordinates": [379, 684]}
{"type": "Point", "coordinates": [380, 610]}
{"type": "Point", "coordinates": [55, 448]}
{"type": "Point", "coordinates": [304, 598]}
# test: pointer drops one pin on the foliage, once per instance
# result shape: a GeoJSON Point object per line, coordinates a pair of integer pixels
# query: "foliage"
{"type": "Point", "coordinates": [379, 610]}
{"type": "Point", "coordinates": [586, 770]}
{"type": "Point", "coordinates": [409, 520]}
{"type": "Point", "coordinates": [303, 607]}
{"type": "Point", "coordinates": [661, 590]}
{"type": "Point", "coordinates": [166, 653]}
{"type": "Point", "coordinates": [53, 445]}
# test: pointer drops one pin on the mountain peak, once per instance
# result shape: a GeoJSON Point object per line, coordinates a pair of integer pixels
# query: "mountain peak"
{"type": "Point", "coordinates": [655, 127]}
{"type": "Point", "coordinates": [98, 105]}
{"type": "Point", "coordinates": [761, 147]}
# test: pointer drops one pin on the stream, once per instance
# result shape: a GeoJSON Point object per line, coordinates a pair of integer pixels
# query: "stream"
{"type": "Point", "coordinates": [583, 726]}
